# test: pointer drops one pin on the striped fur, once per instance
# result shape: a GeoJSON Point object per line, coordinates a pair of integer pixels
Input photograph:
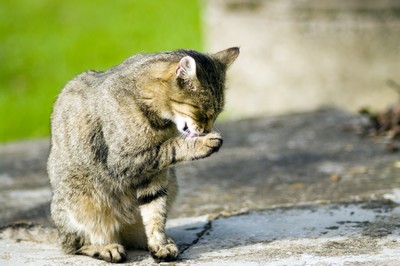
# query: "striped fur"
{"type": "Point", "coordinates": [116, 136]}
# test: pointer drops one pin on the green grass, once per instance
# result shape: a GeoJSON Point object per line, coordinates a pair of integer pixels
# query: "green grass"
{"type": "Point", "coordinates": [45, 43]}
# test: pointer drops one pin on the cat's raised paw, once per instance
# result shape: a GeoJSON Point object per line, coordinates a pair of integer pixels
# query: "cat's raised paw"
{"type": "Point", "coordinates": [207, 145]}
{"type": "Point", "coordinates": [213, 141]}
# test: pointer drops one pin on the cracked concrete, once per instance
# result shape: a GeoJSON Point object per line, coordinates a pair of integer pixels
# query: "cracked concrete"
{"type": "Point", "coordinates": [331, 234]}
{"type": "Point", "coordinates": [311, 235]}
{"type": "Point", "coordinates": [298, 189]}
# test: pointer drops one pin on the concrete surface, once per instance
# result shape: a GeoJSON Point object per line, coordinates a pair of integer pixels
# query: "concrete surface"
{"type": "Point", "coordinates": [353, 234]}
{"type": "Point", "coordinates": [307, 235]}
{"type": "Point", "coordinates": [301, 55]}
{"type": "Point", "coordinates": [299, 189]}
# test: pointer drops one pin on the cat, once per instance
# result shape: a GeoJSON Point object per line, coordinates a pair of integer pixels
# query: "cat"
{"type": "Point", "coordinates": [115, 137]}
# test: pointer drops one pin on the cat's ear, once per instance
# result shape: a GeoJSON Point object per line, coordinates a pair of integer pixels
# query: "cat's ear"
{"type": "Point", "coordinates": [228, 56]}
{"type": "Point", "coordinates": [186, 68]}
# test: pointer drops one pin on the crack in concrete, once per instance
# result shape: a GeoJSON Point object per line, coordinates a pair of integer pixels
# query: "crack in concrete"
{"type": "Point", "coordinates": [207, 227]}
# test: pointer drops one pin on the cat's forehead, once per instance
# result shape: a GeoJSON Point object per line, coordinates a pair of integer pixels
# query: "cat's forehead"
{"type": "Point", "coordinates": [209, 103]}
{"type": "Point", "coordinates": [211, 81]}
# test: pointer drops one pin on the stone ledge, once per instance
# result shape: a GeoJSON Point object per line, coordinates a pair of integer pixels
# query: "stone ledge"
{"type": "Point", "coordinates": [265, 163]}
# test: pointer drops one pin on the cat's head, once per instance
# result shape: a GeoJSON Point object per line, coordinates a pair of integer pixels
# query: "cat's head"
{"type": "Point", "coordinates": [197, 97]}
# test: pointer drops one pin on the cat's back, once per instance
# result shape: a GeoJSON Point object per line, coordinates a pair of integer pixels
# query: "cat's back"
{"type": "Point", "coordinates": [91, 80]}
{"type": "Point", "coordinates": [76, 97]}
{"type": "Point", "coordinates": [86, 100]}
{"type": "Point", "coordinates": [95, 94]}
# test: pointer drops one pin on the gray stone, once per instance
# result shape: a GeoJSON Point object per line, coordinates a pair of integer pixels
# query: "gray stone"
{"type": "Point", "coordinates": [306, 235]}
{"type": "Point", "coordinates": [284, 190]}
{"type": "Point", "coordinates": [354, 234]}
{"type": "Point", "coordinates": [281, 160]}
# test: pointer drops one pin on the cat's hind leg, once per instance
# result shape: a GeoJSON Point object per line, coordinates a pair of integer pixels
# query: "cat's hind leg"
{"type": "Point", "coordinates": [77, 243]}
{"type": "Point", "coordinates": [73, 243]}
{"type": "Point", "coordinates": [70, 242]}
{"type": "Point", "coordinates": [110, 253]}
{"type": "Point", "coordinates": [96, 226]}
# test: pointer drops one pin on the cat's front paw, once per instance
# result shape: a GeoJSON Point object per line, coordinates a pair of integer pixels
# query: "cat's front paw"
{"type": "Point", "coordinates": [167, 252]}
{"type": "Point", "coordinates": [208, 145]}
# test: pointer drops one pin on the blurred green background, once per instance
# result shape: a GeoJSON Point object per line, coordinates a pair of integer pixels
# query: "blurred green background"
{"type": "Point", "coordinates": [45, 43]}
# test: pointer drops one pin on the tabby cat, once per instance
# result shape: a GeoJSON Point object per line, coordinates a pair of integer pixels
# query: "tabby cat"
{"type": "Point", "coordinates": [116, 135]}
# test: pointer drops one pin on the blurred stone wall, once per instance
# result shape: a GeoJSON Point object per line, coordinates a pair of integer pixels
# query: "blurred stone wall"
{"type": "Point", "coordinates": [299, 55]}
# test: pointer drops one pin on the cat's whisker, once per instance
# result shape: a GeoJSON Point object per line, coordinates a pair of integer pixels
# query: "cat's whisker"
{"type": "Point", "coordinates": [182, 135]}
{"type": "Point", "coordinates": [216, 129]}
{"type": "Point", "coordinates": [187, 131]}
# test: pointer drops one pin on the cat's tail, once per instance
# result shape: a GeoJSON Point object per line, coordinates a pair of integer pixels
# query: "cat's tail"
{"type": "Point", "coordinates": [29, 232]}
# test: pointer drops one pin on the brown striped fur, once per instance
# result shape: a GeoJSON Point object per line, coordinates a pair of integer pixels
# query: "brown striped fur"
{"type": "Point", "coordinates": [116, 135]}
